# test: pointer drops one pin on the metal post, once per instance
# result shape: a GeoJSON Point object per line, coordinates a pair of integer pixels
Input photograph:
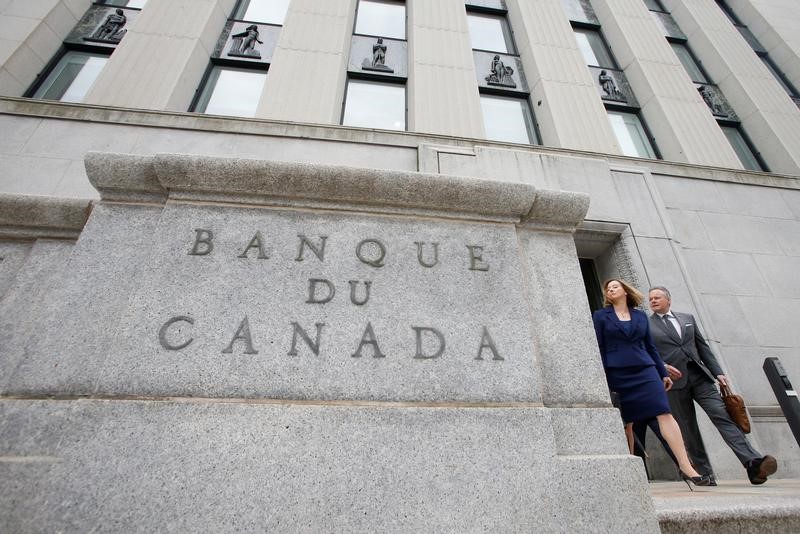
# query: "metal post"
{"type": "Point", "coordinates": [785, 393]}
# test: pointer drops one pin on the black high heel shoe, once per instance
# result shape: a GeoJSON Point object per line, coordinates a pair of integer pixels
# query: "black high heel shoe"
{"type": "Point", "coordinates": [702, 480]}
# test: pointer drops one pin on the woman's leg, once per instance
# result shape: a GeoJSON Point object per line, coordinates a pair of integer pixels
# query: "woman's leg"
{"type": "Point", "coordinates": [629, 436]}
{"type": "Point", "coordinates": [672, 434]}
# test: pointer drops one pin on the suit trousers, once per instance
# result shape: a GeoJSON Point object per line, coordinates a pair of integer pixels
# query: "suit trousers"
{"type": "Point", "coordinates": [700, 389]}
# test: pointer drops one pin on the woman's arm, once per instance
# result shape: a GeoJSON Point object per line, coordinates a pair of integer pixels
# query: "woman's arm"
{"type": "Point", "coordinates": [597, 319]}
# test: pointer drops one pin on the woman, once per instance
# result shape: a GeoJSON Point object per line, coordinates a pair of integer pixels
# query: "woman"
{"type": "Point", "coordinates": [634, 369]}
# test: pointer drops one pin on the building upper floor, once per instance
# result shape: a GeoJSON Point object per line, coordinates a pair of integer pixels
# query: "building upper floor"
{"type": "Point", "coordinates": [679, 80]}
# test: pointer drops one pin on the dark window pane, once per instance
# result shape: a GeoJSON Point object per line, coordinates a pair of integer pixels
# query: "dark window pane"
{"type": "Point", "coordinates": [375, 105]}
{"type": "Point", "coordinates": [232, 92]}
{"type": "Point", "coordinates": [653, 5]}
{"type": "Point", "coordinates": [593, 48]}
{"type": "Point", "coordinates": [382, 19]}
{"type": "Point", "coordinates": [688, 62]}
{"type": "Point", "coordinates": [489, 32]}
{"type": "Point", "coordinates": [742, 148]}
{"type": "Point", "coordinates": [507, 119]}
{"type": "Point", "coordinates": [72, 77]}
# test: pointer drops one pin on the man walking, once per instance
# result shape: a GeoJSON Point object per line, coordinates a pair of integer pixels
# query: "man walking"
{"type": "Point", "coordinates": [681, 345]}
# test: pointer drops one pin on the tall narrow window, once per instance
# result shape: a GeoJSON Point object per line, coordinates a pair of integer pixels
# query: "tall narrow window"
{"type": "Point", "coordinates": [375, 96]}
{"type": "Point", "coordinates": [742, 148]}
{"type": "Point", "coordinates": [612, 86]}
{"type": "Point", "coordinates": [507, 115]}
{"type": "Point", "coordinates": [70, 75]}
{"type": "Point", "coordinates": [237, 72]}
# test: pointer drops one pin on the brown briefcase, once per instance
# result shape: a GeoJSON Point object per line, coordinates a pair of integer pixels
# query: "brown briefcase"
{"type": "Point", "coordinates": [736, 409]}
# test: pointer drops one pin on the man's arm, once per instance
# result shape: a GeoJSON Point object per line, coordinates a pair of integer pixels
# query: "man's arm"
{"type": "Point", "coordinates": [704, 351]}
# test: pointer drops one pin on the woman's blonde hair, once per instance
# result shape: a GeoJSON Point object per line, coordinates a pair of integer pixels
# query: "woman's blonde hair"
{"type": "Point", "coordinates": [633, 297]}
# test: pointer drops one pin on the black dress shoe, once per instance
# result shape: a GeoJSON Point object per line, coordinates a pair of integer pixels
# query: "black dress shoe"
{"type": "Point", "coordinates": [759, 470]}
{"type": "Point", "coordinates": [713, 479]}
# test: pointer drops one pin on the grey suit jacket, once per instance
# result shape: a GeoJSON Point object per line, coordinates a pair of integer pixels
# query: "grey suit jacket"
{"type": "Point", "coordinates": [679, 351]}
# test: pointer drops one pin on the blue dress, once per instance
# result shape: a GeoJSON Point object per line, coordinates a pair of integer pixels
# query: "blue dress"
{"type": "Point", "coordinates": [634, 370]}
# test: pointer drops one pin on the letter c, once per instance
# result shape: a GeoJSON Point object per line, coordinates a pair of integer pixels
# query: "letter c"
{"type": "Point", "coordinates": [162, 333]}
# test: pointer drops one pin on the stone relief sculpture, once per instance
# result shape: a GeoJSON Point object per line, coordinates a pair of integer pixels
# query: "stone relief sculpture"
{"type": "Point", "coordinates": [609, 87]}
{"type": "Point", "coordinates": [378, 60]}
{"type": "Point", "coordinates": [112, 29]}
{"type": "Point", "coordinates": [500, 74]}
{"type": "Point", "coordinates": [244, 43]}
{"type": "Point", "coordinates": [712, 100]}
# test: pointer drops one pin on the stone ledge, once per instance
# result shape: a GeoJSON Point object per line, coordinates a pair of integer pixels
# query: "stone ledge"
{"type": "Point", "coordinates": [34, 217]}
{"type": "Point", "coordinates": [131, 178]}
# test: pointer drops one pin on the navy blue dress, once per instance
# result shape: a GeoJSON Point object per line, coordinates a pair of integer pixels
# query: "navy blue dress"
{"type": "Point", "coordinates": [634, 370]}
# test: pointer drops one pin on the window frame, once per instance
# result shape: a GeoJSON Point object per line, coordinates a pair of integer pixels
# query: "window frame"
{"type": "Point", "coordinates": [240, 10]}
{"type": "Point", "coordinates": [507, 33]}
{"type": "Point", "coordinates": [533, 132]}
{"type": "Point", "coordinates": [203, 87]}
{"type": "Point", "coordinates": [387, 2]}
{"type": "Point", "coordinates": [352, 76]}
{"type": "Point", "coordinates": [645, 130]}
{"type": "Point", "coordinates": [739, 129]}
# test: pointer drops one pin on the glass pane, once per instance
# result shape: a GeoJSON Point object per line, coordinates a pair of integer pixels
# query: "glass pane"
{"type": "Point", "coordinates": [375, 105]}
{"type": "Point", "coordinates": [489, 32]}
{"type": "Point", "coordinates": [594, 49]}
{"type": "Point", "coordinates": [72, 77]}
{"type": "Point", "coordinates": [631, 135]}
{"type": "Point", "coordinates": [138, 4]}
{"type": "Point", "coordinates": [267, 11]}
{"type": "Point", "coordinates": [778, 76]}
{"type": "Point", "coordinates": [233, 92]}
{"type": "Point", "coordinates": [507, 119]}
{"type": "Point", "coordinates": [653, 5]}
{"type": "Point", "coordinates": [382, 19]}
{"type": "Point", "coordinates": [688, 62]}
{"type": "Point", "coordinates": [742, 149]}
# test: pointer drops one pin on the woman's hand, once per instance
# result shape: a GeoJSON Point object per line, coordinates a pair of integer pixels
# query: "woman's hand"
{"type": "Point", "coordinates": [667, 383]}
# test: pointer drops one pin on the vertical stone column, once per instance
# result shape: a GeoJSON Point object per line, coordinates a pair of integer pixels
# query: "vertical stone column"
{"type": "Point", "coordinates": [776, 25]}
{"type": "Point", "coordinates": [160, 62]}
{"type": "Point", "coordinates": [442, 88]}
{"type": "Point", "coordinates": [770, 119]}
{"type": "Point", "coordinates": [564, 99]}
{"type": "Point", "coordinates": [32, 33]}
{"type": "Point", "coordinates": [677, 117]}
{"type": "Point", "coordinates": [310, 60]}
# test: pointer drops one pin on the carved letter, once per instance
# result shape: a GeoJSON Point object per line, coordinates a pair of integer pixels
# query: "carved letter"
{"type": "Point", "coordinates": [242, 333]}
{"type": "Point", "coordinates": [256, 242]}
{"type": "Point", "coordinates": [353, 286]}
{"type": "Point", "coordinates": [202, 237]}
{"type": "Point", "coordinates": [369, 339]}
{"type": "Point", "coordinates": [476, 259]}
{"type": "Point", "coordinates": [373, 262]}
{"type": "Point", "coordinates": [319, 251]}
{"type": "Point", "coordinates": [435, 254]}
{"type": "Point", "coordinates": [312, 291]}
{"type": "Point", "coordinates": [420, 355]}
{"type": "Point", "coordinates": [162, 333]}
{"type": "Point", "coordinates": [313, 345]}
{"type": "Point", "coordinates": [486, 342]}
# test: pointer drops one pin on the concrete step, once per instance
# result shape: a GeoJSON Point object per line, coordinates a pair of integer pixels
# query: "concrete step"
{"type": "Point", "coordinates": [734, 506]}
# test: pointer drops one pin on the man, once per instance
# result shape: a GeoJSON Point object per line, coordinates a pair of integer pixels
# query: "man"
{"type": "Point", "coordinates": [681, 345]}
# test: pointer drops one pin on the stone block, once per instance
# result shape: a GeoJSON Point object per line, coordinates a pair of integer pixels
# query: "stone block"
{"type": "Point", "coordinates": [773, 320]}
{"type": "Point", "coordinates": [725, 273]}
{"type": "Point", "coordinates": [697, 195]}
{"type": "Point", "coordinates": [689, 230]}
{"type": "Point", "coordinates": [571, 426]}
{"type": "Point", "coordinates": [637, 203]}
{"type": "Point", "coordinates": [728, 320]}
{"type": "Point", "coordinates": [16, 132]}
{"type": "Point", "coordinates": [738, 233]}
{"type": "Point", "coordinates": [82, 465]}
{"type": "Point", "coordinates": [781, 273]}
{"type": "Point", "coordinates": [745, 367]}
{"type": "Point", "coordinates": [12, 257]}
{"type": "Point", "coordinates": [70, 140]}
{"type": "Point", "coordinates": [31, 175]}
{"type": "Point", "coordinates": [786, 233]}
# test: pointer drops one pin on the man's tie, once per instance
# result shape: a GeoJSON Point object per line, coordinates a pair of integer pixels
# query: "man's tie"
{"type": "Point", "coordinates": [670, 325]}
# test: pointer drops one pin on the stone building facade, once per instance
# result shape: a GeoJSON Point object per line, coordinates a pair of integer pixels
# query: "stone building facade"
{"type": "Point", "coordinates": [679, 119]}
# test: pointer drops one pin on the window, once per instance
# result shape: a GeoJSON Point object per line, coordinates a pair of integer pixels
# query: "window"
{"type": "Point", "coordinates": [654, 5]}
{"type": "Point", "coordinates": [631, 135]}
{"type": "Point", "coordinates": [381, 19]}
{"type": "Point", "coordinates": [594, 49]}
{"type": "Point", "coordinates": [490, 32]}
{"type": "Point", "coordinates": [233, 92]}
{"type": "Point", "coordinates": [689, 63]}
{"type": "Point", "coordinates": [266, 11]}
{"type": "Point", "coordinates": [136, 4]}
{"type": "Point", "coordinates": [72, 77]}
{"type": "Point", "coordinates": [508, 119]}
{"type": "Point", "coordinates": [372, 104]}
{"type": "Point", "coordinates": [742, 148]}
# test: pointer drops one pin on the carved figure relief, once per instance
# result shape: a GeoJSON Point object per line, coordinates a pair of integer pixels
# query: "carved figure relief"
{"type": "Point", "coordinates": [378, 60]}
{"type": "Point", "coordinates": [111, 31]}
{"type": "Point", "coordinates": [244, 43]}
{"type": "Point", "coordinates": [500, 74]}
{"type": "Point", "coordinates": [609, 87]}
{"type": "Point", "coordinates": [712, 100]}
